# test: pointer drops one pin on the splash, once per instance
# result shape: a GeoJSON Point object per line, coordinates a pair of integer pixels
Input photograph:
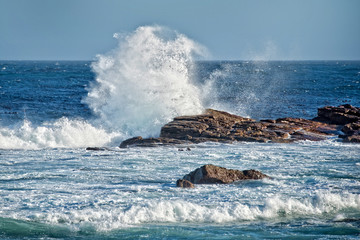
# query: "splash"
{"type": "Point", "coordinates": [145, 81]}
{"type": "Point", "coordinates": [245, 88]}
{"type": "Point", "coordinates": [62, 133]}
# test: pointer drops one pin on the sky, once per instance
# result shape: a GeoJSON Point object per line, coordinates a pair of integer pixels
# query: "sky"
{"type": "Point", "coordinates": [229, 29]}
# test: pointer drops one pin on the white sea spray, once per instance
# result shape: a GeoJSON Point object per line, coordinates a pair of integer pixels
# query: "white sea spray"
{"type": "Point", "coordinates": [145, 81]}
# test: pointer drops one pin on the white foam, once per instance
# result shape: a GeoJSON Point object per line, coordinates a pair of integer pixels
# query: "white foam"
{"type": "Point", "coordinates": [145, 82]}
{"type": "Point", "coordinates": [63, 133]}
{"type": "Point", "coordinates": [321, 203]}
{"type": "Point", "coordinates": [180, 211]}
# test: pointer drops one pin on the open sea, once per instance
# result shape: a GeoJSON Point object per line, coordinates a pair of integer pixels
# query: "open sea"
{"type": "Point", "coordinates": [51, 187]}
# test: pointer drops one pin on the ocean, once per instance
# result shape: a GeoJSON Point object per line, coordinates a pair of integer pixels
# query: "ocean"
{"type": "Point", "coordinates": [51, 187]}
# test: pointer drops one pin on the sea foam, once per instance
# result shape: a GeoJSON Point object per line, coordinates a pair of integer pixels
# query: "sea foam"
{"type": "Point", "coordinates": [324, 205]}
{"type": "Point", "coordinates": [146, 81]}
{"type": "Point", "coordinates": [59, 134]}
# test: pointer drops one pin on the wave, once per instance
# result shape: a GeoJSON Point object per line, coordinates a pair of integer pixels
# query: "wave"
{"type": "Point", "coordinates": [142, 84]}
{"type": "Point", "coordinates": [62, 133]}
{"type": "Point", "coordinates": [328, 206]}
{"type": "Point", "coordinates": [146, 81]}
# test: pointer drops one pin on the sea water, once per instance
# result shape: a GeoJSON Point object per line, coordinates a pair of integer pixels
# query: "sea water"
{"type": "Point", "coordinates": [52, 187]}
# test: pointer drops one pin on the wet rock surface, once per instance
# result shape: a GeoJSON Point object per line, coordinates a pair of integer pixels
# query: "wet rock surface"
{"type": "Point", "coordinates": [151, 142]}
{"type": "Point", "coordinates": [340, 115]}
{"type": "Point", "coordinates": [97, 149]}
{"type": "Point", "coordinates": [211, 174]}
{"type": "Point", "coordinates": [219, 126]}
{"type": "Point", "coordinates": [182, 183]}
{"type": "Point", "coordinates": [345, 115]}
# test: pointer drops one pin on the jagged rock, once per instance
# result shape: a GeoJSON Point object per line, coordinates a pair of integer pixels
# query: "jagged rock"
{"type": "Point", "coordinates": [346, 115]}
{"type": "Point", "coordinates": [352, 139]}
{"type": "Point", "coordinates": [340, 115]}
{"type": "Point", "coordinates": [219, 126]}
{"type": "Point", "coordinates": [184, 184]}
{"type": "Point", "coordinates": [209, 174]}
{"type": "Point", "coordinates": [352, 128]}
{"type": "Point", "coordinates": [211, 126]}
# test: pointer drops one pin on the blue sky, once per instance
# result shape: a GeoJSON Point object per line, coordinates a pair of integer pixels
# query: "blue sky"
{"type": "Point", "coordinates": [230, 29]}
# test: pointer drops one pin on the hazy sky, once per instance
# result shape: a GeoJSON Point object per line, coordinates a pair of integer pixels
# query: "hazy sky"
{"type": "Point", "coordinates": [230, 29]}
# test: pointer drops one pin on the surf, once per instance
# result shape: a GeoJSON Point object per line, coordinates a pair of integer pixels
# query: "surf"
{"type": "Point", "coordinates": [140, 85]}
{"type": "Point", "coordinates": [146, 81]}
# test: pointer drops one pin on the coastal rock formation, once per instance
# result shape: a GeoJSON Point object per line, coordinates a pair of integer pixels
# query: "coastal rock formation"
{"type": "Point", "coordinates": [352, 139]}
{"type": "Point", "coordinates": [219, 126]}
{"type": "Point", "coordinates": [352, 128]}
{"type": "Point", "coordinates": [184, 183]}
{"type": "Point", "coordinates": [340, 115]}
{"type": "Point", "coordinates": [346, 115]}
{"type": "Point", "coordinates": [210, 174]}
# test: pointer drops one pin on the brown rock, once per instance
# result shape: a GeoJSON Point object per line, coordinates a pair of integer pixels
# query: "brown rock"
{"type": "Point", "coordinates": [352, 139]}
{"type": "Point", "coordinates": [219, 126]}
{"type": "Point", "coordinates": [209, 174]}
{"type": "Point", "coordinates": [211, 125]}
{"type": "Point", "coordinates": [184, 184]}
{"type": "Point", "coordinates": [351, 128]}
{"type": "Point", "coordinates": [340, 115]}
{"type": "Point", "coordinates": [131, 141]}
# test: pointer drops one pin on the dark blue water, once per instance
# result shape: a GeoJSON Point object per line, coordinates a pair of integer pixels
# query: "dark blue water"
{"type": "Point", "coordinates": [44, 90]}
{"type": "Point", "coordinates": [284, 88]}
{"type": "Point", "coordinates": [52, 188]}
{"type": "Point", "coordinates": [48, 90]}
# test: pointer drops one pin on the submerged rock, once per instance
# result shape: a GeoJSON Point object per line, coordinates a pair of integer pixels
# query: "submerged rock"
{"type": "Point", "coordinates": [210, 174]}
{"type": "Point", "coordinates": [184, 183]}
{"type": "Point", "coordinates": [96, 149]}
{"type": "Point", "coordinates": [151, 142]}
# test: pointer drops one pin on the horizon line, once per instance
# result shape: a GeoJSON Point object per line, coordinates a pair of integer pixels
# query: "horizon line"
{"type": "Point", "coordinates": [206, 60]}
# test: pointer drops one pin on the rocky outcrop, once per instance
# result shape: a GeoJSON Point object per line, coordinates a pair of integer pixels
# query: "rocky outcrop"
{"type": "Point", "coordinates": [351, 132]}
{"type": "Point", "coordinates": [211, 125]}
{"type": "Point", "coordinates": [346, 115]}
{"type": "Point", "coordinates": [211, 174]}
{"type": "Point", "coordinates": [219, 126]}
{"type": "Point", "coordinates": [340, 115]}
{"type": "Point", "coordinates": [352, 128]}
{"type": "Point", "coordinates": [352, 139]}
